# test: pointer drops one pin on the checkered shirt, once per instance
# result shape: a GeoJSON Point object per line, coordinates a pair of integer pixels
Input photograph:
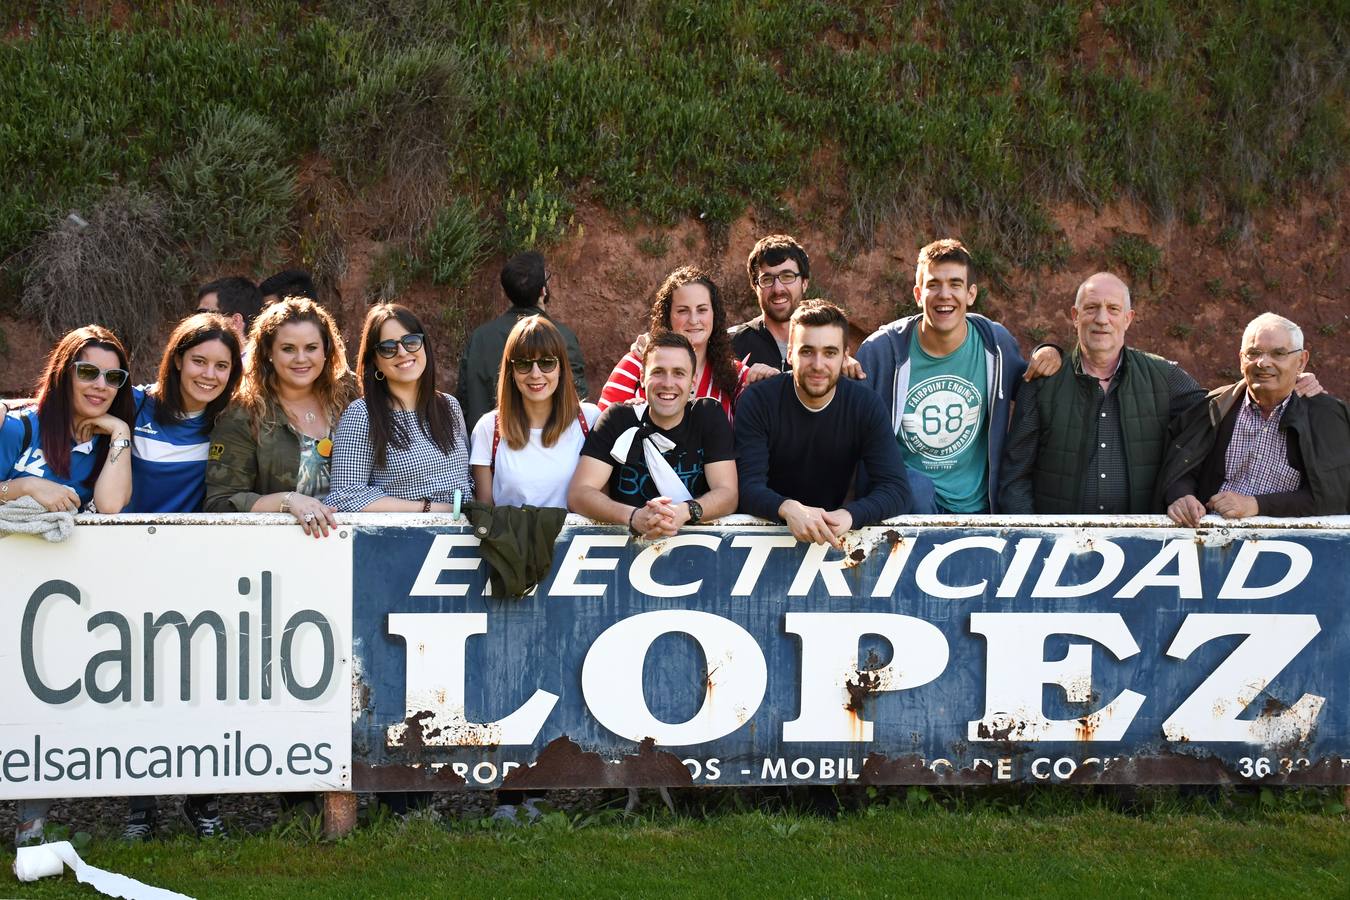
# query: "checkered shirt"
{"type": "Point", "coordinates": [1257, 461]}
{"type": "Point", "coordinates": [415, 472]}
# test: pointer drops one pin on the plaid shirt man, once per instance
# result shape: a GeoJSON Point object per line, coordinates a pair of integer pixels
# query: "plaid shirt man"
{"type": "Point", "coordinates": [1257, 461]}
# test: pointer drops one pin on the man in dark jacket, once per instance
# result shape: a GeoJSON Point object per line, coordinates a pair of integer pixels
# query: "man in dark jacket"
{"type": "Point", "coordinates": [1090, 438]}
{"type": "Point", "coordinates": [1255, 448]}
{"type": "Point", "coordinates": [525, 281]}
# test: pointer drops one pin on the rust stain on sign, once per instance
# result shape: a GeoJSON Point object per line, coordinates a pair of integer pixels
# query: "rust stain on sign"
{"type": "Point", "coordinates": [563, 764]}
{"type": "Point", "coordinates": [366, 777]}
{"type": "Point", "coordinates": [1165, 768]}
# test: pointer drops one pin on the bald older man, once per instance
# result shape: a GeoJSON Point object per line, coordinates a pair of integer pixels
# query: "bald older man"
{"type": "Point", "coordinates": [1091, 437]}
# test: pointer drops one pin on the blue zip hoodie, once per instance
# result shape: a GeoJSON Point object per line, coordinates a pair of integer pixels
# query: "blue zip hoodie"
{"type": "Point", "coordinates": [885, 359]}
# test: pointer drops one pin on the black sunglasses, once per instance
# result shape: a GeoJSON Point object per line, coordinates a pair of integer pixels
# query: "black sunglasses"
{"type": "Point", "coordinates": [523, 366]}
{"type": "Point", "coordinates": [410, 342]}
{"type": "Point", "coordinates": [113, 378]}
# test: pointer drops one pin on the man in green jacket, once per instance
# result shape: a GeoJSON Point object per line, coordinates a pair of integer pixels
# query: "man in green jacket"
{"type": "Point", "coordinates": [1090, 438]}
{"type": "Point", "coordinates": [525, 281]}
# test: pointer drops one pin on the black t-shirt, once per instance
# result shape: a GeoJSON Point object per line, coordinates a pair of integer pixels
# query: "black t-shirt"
{"type": "Point", "coordinates": [703, 436]}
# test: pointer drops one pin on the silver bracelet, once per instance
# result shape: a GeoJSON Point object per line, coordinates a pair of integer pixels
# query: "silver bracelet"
{"type": "Point", "coordinates": [286, 501]}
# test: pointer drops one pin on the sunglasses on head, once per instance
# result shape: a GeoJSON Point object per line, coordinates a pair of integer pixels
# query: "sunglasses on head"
{"type": "Point", "coordinates": [524, 366]}
{"type": "Point", "coordinates": [411, 343]}
{"type": "Point", "coordinates": [87, 371]}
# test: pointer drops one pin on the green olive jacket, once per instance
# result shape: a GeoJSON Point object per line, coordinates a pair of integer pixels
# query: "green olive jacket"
{"type": "Point", "coordinates": [240, 468]}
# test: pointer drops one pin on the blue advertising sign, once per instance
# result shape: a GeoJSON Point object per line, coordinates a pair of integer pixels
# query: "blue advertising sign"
{"type": "Point", "coordinates": [939, 655]}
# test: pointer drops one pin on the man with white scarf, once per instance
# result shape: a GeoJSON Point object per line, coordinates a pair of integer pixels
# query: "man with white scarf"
{"type": "Point", "coordinates": [663, 464]}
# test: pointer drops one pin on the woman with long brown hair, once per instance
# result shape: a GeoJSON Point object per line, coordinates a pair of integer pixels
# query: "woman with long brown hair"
{"type": "Point", "coordinates": [688, 302]}
{"type": "Point", "coordinates": [73, 447]}
{"type": "Point", "coordinates": [271, 449]}
{"type": "Point", "coordinates": [198, 375]}
{"type": "Point", "coordinates": [401, 446]}
{"type": "Point", "coordinates": [525, 451]}
{"type": "Point", "coordinates": [71, 452]}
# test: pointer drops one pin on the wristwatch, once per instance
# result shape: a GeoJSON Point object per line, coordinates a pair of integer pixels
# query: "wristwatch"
{"type": "Point", "coordinates": [695, 511]}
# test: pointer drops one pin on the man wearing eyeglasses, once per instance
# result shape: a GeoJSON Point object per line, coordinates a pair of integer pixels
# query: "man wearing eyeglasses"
{"type": "Point", "coordinates": [1256, 448]}
{"type": "Point", "coordinates": [780, 272]}
{"type": "Point", "coordinates": [1090, 438]}
{"type": "Point", "coordinates": [525, 282]}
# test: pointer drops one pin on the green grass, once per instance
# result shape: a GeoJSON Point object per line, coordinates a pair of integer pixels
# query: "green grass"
{"type": "Point", "coordinates": [1052, 846]}
{"type": "Point", "coordinates": [979, 112]}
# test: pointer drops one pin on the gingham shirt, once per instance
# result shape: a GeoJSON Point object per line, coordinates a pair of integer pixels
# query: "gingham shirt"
{"type": "Point", "coordinates": [1257, 461]}
{"type": "Point", "coordinates": [416, 472]}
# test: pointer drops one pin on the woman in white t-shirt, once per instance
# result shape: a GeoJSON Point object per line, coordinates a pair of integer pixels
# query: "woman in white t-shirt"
{"type": "Point", "coordinates": [524, 452]}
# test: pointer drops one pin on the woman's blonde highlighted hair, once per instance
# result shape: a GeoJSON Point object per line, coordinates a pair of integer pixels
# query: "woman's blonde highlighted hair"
{"type": "Point", "coordinates": [335, 387]}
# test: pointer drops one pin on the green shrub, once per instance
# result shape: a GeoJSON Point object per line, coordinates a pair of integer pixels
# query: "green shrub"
{"type": "Point", "coordinates": [1137, 256]}
{"type": "Point", "coordinates": [87, 103]}
{"type": "Point", "coordinates": [456, 245]}
{"type": "Point", "coordinates": [398, 126]}
{"type": "Point", "coordinates": [232, 193]}
{"type": "Point", "coordinates": [537, 217]}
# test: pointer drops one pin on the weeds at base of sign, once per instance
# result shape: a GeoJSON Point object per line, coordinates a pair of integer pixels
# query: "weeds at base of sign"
{"type": "Point", "coordinates": [302, 826]}
{"type": "Point", "coordinates": [54, 831]}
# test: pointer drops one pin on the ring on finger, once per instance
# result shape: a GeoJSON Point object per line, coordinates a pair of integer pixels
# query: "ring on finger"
{"type": "Point", "coordinates": [309, 517]}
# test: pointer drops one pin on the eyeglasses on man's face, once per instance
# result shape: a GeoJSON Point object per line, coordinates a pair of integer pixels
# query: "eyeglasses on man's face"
{"type": "Point", "coordinates": [786, 279]}
{"type": "Point", "coordinates": [546, 364]}
{"type": "Point", "coordinates": [409, 342]}
{"type": "Point", "coordinates": [1254, 354]}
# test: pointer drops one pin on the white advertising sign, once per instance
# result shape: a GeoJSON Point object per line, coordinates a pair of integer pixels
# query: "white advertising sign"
{"type": "Point", "coordinates": [162, 659]}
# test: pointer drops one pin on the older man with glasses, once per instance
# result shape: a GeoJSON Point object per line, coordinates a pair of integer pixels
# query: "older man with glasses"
{"type": "Point", "coordinates": [1256, 448]}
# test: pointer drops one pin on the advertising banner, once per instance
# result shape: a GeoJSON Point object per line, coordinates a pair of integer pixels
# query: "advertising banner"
{"type": "Point", "coordinates": [161, 659]}
{"type": "Point", "coordinates": [976, 655]}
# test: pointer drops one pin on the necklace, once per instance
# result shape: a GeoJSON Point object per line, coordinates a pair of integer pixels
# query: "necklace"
{"type": "Point", "coordinates": [308, 416]}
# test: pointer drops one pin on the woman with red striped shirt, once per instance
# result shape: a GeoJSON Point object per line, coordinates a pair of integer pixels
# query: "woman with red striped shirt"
{"type": "Point", "coordinates": [688, 302]}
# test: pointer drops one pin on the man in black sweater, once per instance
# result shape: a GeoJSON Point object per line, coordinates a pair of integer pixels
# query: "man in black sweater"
{"type": "Point", "coordinates": [801, 437]}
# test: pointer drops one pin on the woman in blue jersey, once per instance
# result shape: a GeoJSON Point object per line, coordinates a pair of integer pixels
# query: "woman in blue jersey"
{"type": "Point", "coordinates": [73, 448]}
{"type": "Point", "coordinates": [174, 417]}
{"type": "Point", "coordinates": [70, 452]}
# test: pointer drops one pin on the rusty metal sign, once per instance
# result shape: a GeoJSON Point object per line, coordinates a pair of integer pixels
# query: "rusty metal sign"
{"type": "Point", "coordinates": [933, 655]}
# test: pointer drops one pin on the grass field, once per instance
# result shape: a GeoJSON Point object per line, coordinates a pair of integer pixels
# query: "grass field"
{"type": "Point", "coordinates": [1042, 843]}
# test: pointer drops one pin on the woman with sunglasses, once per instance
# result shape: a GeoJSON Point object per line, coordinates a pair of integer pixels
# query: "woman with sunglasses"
{"type": "Point", "coordinates": [271, 449]}
{"type": "Point", "coordinates": [525, 451]}
{"type": "Point", "coordinates": [401, 447]}
{"type": "Point", "coordinates": [74, 446]}
{"type": "Point", "coordinates": [689, 303]}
